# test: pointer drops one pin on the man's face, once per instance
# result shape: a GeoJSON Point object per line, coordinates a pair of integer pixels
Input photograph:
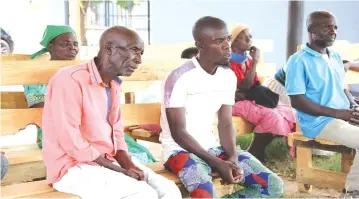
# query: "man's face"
{"type": "Point", "coordinates": [126, 56]}
{"type": "Point", "coordinates": [243, 41]}
{"type": "Point", "coordinates": [324, 31]}
{"type": "Point", "coordinates": [64, 47]}
{"type": "Point", "coordinates": [216, 45]}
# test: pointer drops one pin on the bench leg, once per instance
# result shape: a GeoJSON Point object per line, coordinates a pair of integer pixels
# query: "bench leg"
{"type": "Point", "coordinates": [347, 161]}
{"type": "Point", "coordinates": [303, 162]}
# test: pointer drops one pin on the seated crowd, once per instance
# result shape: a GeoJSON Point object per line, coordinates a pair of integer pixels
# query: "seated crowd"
{"type": "Point", "coordinates": [87, 153]}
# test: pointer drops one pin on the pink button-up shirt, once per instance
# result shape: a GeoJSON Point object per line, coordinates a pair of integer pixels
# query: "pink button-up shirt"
{"type": "Point", "coordinates": [76, 126]}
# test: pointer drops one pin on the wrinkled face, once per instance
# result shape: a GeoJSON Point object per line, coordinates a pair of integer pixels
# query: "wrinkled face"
{"type": "Point", "coordinates": [323, 31]}
{"type": "Point", "coordinates": [243, 41]}
{"type": "Point", "coordinates": [64, 47]}
{"type": "Point", "coordinates": [126, 56]}
{"type": "Point", "coordinates": [215, 45]}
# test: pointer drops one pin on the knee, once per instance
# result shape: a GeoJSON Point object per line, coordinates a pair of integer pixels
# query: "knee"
{"type": "Point", "coordinates": [171, 191]}
{"type": "Point", "coordinates": [146, 191]}
{"type": "Point", "coordinates": [275, 186]}
{"type": "Point", "coordinates": [4, 165]}
{"type": "Point", "coordinates": [167, 189]}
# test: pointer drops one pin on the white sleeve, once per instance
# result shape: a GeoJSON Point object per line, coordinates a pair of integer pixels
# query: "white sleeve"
{"type": "Point", "coordinates": [175, 93]}
{"type": "Point", "coordinates": [229, 95]}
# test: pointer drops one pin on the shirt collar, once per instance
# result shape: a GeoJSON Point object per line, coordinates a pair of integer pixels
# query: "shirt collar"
{"type": "Point", "coordinates": [195, 62]}
{"type": "Point", "coordinates": [313, 52]}
{"type": "Point", "coordinates": [95, 75]}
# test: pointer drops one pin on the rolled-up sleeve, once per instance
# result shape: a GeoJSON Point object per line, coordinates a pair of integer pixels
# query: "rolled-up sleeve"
{"type": "Point", "coordinates": [119, 133]}
{"type": "Point", "coordinates": [66, 109]}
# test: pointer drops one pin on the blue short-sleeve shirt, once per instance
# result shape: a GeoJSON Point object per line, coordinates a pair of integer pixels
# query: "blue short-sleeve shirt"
{"type": "Point", "coordinates": [321, 79]}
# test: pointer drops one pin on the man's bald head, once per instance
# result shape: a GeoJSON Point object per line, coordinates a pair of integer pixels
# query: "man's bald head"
{"type": "Point", "coordinates": [117, 35]}
{"type": "Point", "coordinates": [317, 16]}
{"type": "Point", "coordinates": [204, 24]}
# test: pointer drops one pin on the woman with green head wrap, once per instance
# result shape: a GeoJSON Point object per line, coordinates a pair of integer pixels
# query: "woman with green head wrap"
{"type": "Point", "coordinates": [61, 43]}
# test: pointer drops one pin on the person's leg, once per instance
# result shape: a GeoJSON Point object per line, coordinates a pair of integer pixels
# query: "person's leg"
{"type": "Point", "coordinates": [259, 144]}
{"type": "Point", "coordinates": [4, 165]}
{"type": "Point", "coordinates": [166, 189]}
{"type": "Point", "coordinates": [194, 173]}
{"type": "Point", "coordinates": [90, 182]}
{"type": "Point", "coordinates": [348, 135]}
{"type": "Point", "coordinates": [259, 181]}
{"type": "Point", "coordinates": [268, 122]}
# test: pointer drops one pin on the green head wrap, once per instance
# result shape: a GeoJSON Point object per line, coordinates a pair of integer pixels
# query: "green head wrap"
{"type": "Point", "coordinates": [50, 33]}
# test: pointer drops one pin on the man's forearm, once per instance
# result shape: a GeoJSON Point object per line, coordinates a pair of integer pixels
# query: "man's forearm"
{"type": "Point", "coordinates": [301, 103]}
{"type": "Point", "coordinates": [123, 159]}
{"type": "Point", "coordinates": [109, 164]}
{"type": "Point", "coordinates": [227, 139]}
{"type": "Point", "coordinates": [187, 142]}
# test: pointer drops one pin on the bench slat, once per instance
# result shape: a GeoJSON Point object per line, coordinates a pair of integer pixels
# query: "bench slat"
{"type": "Point", "coordinates": [39, 72]}
{"type": "Point", "coordinates": [54, 194]}
{"type": "Point", "coordinates": [320, 178]}
{"type": "Point", "coordinates": [25, 189]}
{"type": "Point", "coordinates": [19, 173]}
{"type": "Point", "coordinates": [22, 153]}
{"type": "Point", "coordinates": [299, 136]}
{"type": "Point", "coordinates": [13, 120]}
{"type": "Point", "coordinates": [13, 100]}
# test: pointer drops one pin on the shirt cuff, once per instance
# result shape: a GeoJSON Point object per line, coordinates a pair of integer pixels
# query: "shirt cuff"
{"type": "Point", "coordinates": [121, 145]}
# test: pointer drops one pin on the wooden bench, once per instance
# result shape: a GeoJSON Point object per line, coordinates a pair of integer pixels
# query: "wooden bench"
{"type": "Point", "coordinates": [306, 175]}
{"type": "Point", "coordinates": [26, 160]}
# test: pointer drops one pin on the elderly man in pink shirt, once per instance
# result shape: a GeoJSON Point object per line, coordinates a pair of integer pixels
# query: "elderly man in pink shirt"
{"type": "Point", "coordinates": [83, 140]}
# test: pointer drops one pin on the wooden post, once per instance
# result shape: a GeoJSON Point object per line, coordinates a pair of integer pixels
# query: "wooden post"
{"type": "Point", "coordinates": [295, 26]}
{"type": "Point", "coordinates": [79, 22]}
{"type": "Point", "coordinates": [347, 161]}
{"type": "Point", "coordinates": [130, 98]}
{"type": "Point", "coordinates": [304, 163]}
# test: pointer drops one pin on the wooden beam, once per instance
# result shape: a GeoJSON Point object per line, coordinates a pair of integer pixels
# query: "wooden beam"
{"type": "Point", "coordinates": [39, 72]}
{"type": "Point", "coordinates": [321, 178]}
{"type": "Point", "coordinates": [19, 173]}
{"type": "Point", "coordinates": [312, 144]}
{"type": "Point", "coordinates": [13, 120]}
{"type": "Point", "coordinates": [24, 189]}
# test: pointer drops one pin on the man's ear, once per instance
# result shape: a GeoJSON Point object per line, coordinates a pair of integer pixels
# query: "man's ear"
{"type": "Point", "coordinates": [108, 48]}
{"type": "Point", "coordinates": [310, 29]}
{"type": "Point", "coordinates": [199, 45]}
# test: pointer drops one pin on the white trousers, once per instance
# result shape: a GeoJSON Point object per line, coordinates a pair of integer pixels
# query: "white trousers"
{"type": "Point", "coordinates": [94, 182]}
{"type": "Point", "coordinates": [348, 135]}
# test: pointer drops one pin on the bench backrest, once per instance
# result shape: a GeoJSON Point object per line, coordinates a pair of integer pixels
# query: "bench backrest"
{"type": "Point", "coordinates": [39, 72]}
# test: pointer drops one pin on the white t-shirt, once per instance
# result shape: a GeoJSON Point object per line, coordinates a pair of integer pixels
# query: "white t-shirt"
{"type": "Point", "coordinates": [201, 95]}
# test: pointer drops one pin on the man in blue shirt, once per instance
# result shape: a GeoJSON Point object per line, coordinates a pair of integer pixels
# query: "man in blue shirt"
{"type": "Point", "coordinates": [315, 83]}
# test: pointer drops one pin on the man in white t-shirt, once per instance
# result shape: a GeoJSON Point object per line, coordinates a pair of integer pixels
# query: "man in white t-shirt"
{"type": "Point", "coordinates": [194, 94]}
